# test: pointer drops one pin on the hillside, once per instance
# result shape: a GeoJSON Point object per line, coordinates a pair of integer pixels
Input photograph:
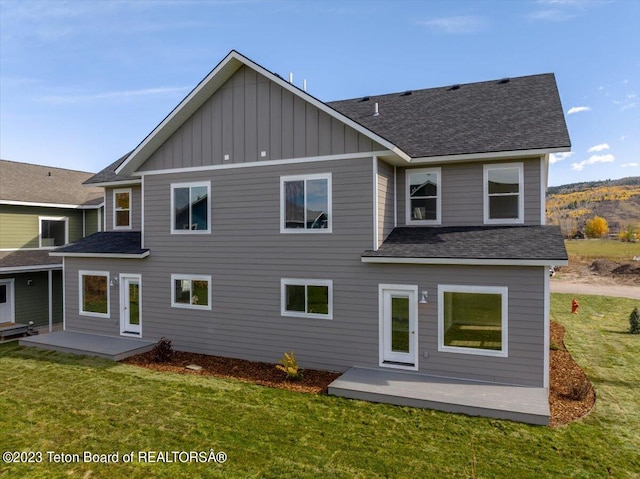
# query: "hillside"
{"type": "Point", "coordinates": [617, 201]}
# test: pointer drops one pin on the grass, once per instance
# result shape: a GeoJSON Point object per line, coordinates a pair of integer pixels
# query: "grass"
{"type": "Point", "coordinates": [69, 404]}
{"type": "Point", "coordinates": [593, 249]}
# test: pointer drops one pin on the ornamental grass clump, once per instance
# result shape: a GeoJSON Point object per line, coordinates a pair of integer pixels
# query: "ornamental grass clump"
{"type": "Point", "coordinates": [289, 364]}
{"type": "Point", "coordinates": [634, 322]}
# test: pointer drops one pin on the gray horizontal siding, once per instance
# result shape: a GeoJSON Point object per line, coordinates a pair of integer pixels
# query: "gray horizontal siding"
{"type": "Point", "coordinates": [136, 207]}
{"type": "Point", "coordinates": [32, 300]}
{"type": "Point", "coordinates": [463, 195]}
{"type": "Point", "coordinates": [250, 114]}
{"type": "Point", "coordinates": [386, 203]}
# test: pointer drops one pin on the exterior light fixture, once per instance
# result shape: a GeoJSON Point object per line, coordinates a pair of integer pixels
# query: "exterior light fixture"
{"type": "Point", "coordinates": [424, 296]}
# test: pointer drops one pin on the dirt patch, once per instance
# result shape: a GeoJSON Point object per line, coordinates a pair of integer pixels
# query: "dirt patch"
{"type": "Point", "coordinates": [600, 271]}
{"type": "Point", "coordinates": [566, 380]}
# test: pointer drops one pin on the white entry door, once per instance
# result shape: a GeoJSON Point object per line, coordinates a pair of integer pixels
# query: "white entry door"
{"type": "Point", "coordinates": [7, 305]}
{"type": "Point", "coordinates": [399, 326]}
{"type": "Point", "coordinates": [130, 304]}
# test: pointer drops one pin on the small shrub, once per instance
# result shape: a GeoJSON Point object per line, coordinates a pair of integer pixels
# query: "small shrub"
{"type": "Point", "coordinates": [162, 351]}
{"type": "Point", "coordinates": [579, 391]}
{"type": "Point", "coordinates": [289, 365]}
{"type": "Point", "coordinates": [634, 322]}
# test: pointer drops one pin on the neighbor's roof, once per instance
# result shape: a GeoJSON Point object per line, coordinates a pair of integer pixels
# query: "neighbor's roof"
{"type": "Point", "coordinates": [14, 261]}
{"type": "Point", "coordinates": [27, 183]}
{"type": "Point", "coordinates": [517, 114]}
{"type": "Point", "coordinates": [118, 244]}
{"type": "Point", "coordinates": [108, 174]}
{"type": "Point", "coordinates": [466, 244]}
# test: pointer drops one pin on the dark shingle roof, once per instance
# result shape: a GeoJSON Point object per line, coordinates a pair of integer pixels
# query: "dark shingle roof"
{"type": "Point", "coordinates": [108, 174]}
{"type": "Point", "coordinates": [474, 242]}
{"type": "Point", "coordinates": [521, 114]}
{"type": "Point", "coordinates": [45, 184]}
{"type": "Point", "coordinates": [108, 242]}
{"type": "Point", "coordinates": [21, 258]}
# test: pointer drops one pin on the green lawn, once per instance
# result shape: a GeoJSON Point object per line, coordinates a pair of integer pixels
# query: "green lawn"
{"type": "Point", "coordinates": [68, 404]}
{"type": "Point", "coordinates": [593, 249]}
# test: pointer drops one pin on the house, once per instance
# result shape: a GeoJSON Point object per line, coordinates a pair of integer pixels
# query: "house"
{"type": "Point", "coordinates": [400, 238]}
{"type": "Point", "coordinates": [41, 208]}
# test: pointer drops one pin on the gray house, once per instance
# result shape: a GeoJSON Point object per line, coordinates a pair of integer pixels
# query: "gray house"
{"type": "Point", "coordinates": [41, 207]}
{"type": "Point", "coordinates": [399, 238]}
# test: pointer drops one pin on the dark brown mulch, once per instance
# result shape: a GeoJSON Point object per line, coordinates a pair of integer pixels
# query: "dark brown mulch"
{"type": "Point", "coordinates": [567, 381]}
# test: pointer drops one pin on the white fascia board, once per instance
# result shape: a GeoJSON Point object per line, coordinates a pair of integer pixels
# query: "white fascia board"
{"type": "Point", "coordinates": [102, 255]}
{"type": "Point", "coordinates": [496, 155]}
{"type": "Point", "coordinates": [32, 268]}
{"type": "Point", "coordinates": [464, 261]}
{"type": "Point", "coordinates": [49, 205]}
{"type": "Point", "coordinates": [207, 87]}
{"type": "Point", "coordinates": [117, 183]}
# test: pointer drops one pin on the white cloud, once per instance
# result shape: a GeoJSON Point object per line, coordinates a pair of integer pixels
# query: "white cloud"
{"type": "Point", "coordinates": [592, 161]}
{"type": "Point", "coordinates": [555, 157]}
{"type": "Point", "coordinates": [625, 165]}
{"type": "Point", "coordinates": [76, 98]}
{"type": "Point", "coordinates": [600, 147]}
{"type": "Point", "coordinates": [460, 24]}
{"type": "Point", "coordinates": [578, 109]}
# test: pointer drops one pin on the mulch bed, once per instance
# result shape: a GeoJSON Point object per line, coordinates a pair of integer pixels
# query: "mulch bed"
{"type": "Point", "coordinates": [571, 395]}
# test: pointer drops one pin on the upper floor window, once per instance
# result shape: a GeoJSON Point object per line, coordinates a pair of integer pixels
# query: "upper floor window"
{"type": "Point", "coordinates": [54, 231]}
{"type": "Point", "coordinates": [504, 193]}
{"type": "Point", "coordinates": [122, 208]}
{"type": "Point", "coordinates": [305, 203]}
{"type": "Point", "coordinates": [423, 196]}
{"type": "Point", "coordinates": [190, 208]}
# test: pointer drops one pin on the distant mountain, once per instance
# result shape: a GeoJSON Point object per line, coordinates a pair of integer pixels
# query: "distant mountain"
{"type": "Point", "coordinates": [617, 201]}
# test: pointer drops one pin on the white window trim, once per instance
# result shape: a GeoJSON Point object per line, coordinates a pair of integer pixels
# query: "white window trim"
{"type": "Point", "coordinates": [81, 311]}
{"type": "Point", "coordinates": [190, 185]}
{"type": "Point", "coordinates": [53, 218]}
{"type": "Point", "coordinates": [320, 176]}
{"type": "Point", "coordinates": [451, 288]}
{"type": "Point", "coordinates": [500, 166]}
{"type": "Point", "coordinates": [408, 219]}
{"type": "Point", "coordinates": [305, 282]}
{"type": "Point", "coordinates": [190, 277]}
{"type": "Point", "coordinates": [115, 210]}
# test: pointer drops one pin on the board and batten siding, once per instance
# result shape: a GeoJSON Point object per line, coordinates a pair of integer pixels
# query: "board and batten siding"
{"type": "Point", "coordinates": [462, 192]}
{"type": "Point", "coordinates": [20, 227]}
{"type": "Point", "coordinates": [250, 115]}
{"type": "Point", "coordinates": [386, 200]}
{"type": "Point", "coordinates": [136, 207]}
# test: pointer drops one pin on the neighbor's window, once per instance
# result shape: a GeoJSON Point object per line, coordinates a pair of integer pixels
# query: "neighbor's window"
{"type": "Point", "coordinates": [191, 291]}
{"type": "Point", "coordinates": [307, 298]}
{"type": "Point", "coordinates": [190, 208]}
{"type": "Point", "coordinates": [94, 293]}
{"type": "Point", "coordinates": [122, 208]}
{"type": "Point", "coordinates": [472, 319]}
{"type": "Point", "coordinates": [503, 202]}
{"type": "Point", "coordinates": [423, 196]}
{"type": "Point", "coordinates": [53, 231]}
{"type": "Point", "coordinates": [305, 203]}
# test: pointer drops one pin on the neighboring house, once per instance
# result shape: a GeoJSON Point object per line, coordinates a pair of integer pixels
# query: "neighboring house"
{"type": "Point", "coordinates": [395, 233]}
{"type": "Point", "coordinates": [41, 208]}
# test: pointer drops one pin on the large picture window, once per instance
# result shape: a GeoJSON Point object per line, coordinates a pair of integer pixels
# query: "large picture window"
{"type": "Point", "coordinates": [54, 231]}
{"type": "Point", "coordinates": [122, 208]}
{"type": "Point", "coordinates": [307, 298]}
{"type": "Point", "coordinates": [190, 208]}
{"type": "Point", "coordinates": [503, 198]}
{"type": "Point", "coordinates": [191, 291]}
{"type": "Point", "coordinates": [423, 196]}
{"type": "Point", "coordinates": [472, 319]}
{"type": "Point", "coordinates": [306, 204]}
{"type": "Point", "coordinates": [94, 293]}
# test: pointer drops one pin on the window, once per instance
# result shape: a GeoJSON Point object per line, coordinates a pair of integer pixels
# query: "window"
{"type": "Point", "coordinates": [190, 208]}
{"type": "Point", "coordinates": [305, 204]}
{"type": "Point", "coordinates": [122, 209]}
{"type": "Point", "coordinates": [423, 196]}
{"type": "Point", "coordinates": [53, 231]}
{"type": "Point", "coordinates": [191, 291]}
{"type": "Point", "coordinates": [94, 293]}
{"type": "Point", "coordinates": [503, 198]}
{"type": "Point", "coordinates": [307, 298]}
{"type": "Point", "coordinates": [472, 319]}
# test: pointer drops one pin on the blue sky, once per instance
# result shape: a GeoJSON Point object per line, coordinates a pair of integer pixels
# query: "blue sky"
{"type": "Point", "coordinates": [83, 82]}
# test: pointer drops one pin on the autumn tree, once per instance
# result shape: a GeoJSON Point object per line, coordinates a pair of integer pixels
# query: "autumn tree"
{"type": "Point", "coordinates": [596, 227]}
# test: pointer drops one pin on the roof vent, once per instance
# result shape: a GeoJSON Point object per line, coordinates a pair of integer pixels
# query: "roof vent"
{"type": "Point", "coordinates": [455, 87]}
{"type": "Point", "coordinates": [504, 80]}
{"type": "Point", "coordinates": [365, 98]}
{"type": "Point", "coordinates": [406, 93]}
{"type": "Point", "coordinates": [376, 112]}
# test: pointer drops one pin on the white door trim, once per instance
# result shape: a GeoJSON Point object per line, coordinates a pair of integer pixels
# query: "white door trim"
{"type": "Point", "coordinates": [11, 299]}
{"type": "Point", "coordinates": [127, 329]}
{"type": "Point", "coordinates": [388, 358]}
